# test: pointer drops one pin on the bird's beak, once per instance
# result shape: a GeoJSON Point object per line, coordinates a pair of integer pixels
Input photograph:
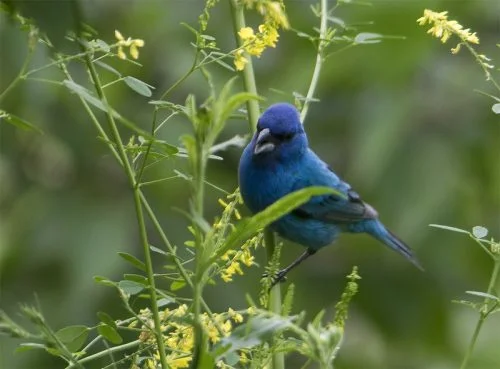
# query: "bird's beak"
{"type": "Point", "coordinates": [265, 142]}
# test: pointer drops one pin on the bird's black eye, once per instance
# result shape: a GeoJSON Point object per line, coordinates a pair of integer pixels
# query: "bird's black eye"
{"type": "Point", "coordinates": [283, 136]}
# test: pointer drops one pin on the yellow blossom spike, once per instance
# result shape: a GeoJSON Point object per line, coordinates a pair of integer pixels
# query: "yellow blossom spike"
{"type": "Point", "coordinates": [134, 52]}
{"type": "Point", "coordinates": [246, 33]}
{"type": "Point", "coordinates": [223, 203]}
{"type": "Point", "coordinates": [118, 35]}
{"type": "Point", "coordinates": [121, 54]}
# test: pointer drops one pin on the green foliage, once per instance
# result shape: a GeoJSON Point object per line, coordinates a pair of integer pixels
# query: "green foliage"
{"type": "Point", "coordinates": [165, 309]}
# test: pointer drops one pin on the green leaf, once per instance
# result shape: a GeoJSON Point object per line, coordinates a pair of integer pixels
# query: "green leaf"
{"type": "Point", "coordinates": [483, 294]}
{"type": "Point", "coordinates": [137, 278]}
{"type": "Point", "coordinates": [255, 331]}
{"type": "Point", "coordinates": [30, 346]}
{"type": "Point", "coordinates": [496, 108]}
{"type": "Point", "coordinates": [165, 147]}
{"type": "Point", "coordinates": [18, 122]}
{"type": "Point", "coordinates": [158, 251]}
{"type": "Point", "coordinates": [102, 45]}
{"type": "Point", "coordinates": [106, 319]}
{"type": "Point", "coordinates": [86, 95]}
{"type": "Point", "coordinates": [130, 287]}
{"type": "Point", "coordinates": [164, 301]}
{"type": "Point", "coordinates": [108, 67]}
{"type": "Point", "coordinates": [104, 281]}
{"type": "Point", "coordinates": [73, 337]}
{"type": "Point", "coordinates": [133, 260]}
{"type": "Point", "coordinates": [110, 334]}
{"type": "Point", "coordinates": [142, 88]}
{"type": "Point", "coordinates": [177, 285]}
{"type": "Point", "coordinates": [448, 228]}
{"type": "Point", "coordinates": [250, 226]}
{"type": "Point", "coordinates": [479, 232]}
{"type": "Point", "coordinates": [368, 38]}
{"type": "Point", "coordinates": [236, 141]}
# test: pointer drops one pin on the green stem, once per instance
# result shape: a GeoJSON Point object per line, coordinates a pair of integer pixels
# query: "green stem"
{"type": "Point", "coordinates": [138, 207]}
{"type": "Point", "coordinates": [238, 16]}
{"type": "Point", "coordinates": [20, 76]}
{"type": "Point", "coordinates": [483, 314]}
{"type": "Point", "coordinates": [319, 60]}
{"type": "Point", "coordinates": [274, 294]}
{"type": "Point", "coordinates": [108, 351]}
{"type": "Point", "coordinates": [253, 110]}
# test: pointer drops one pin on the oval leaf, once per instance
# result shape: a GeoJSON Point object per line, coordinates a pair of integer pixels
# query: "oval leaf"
{"type": "Point", "coordinates": [110, 334]}
{"type": "Point", "coordinates": [368, 38]}
{"type": "Point", "coordinates": [73, 337]}
{"type": "Point", "coordinates": [448, 228]}
{"type": "Point", "coordinates": [106, 319]}
{"type": "Point", "coordinates": [133, 260]}
{"type": "Point", "coordinates": [483, 294]}
{"type": "Point", "coordinates": [251, 333]}
{"type": "Point", "coordinates": [479, 232]}
{"type": "Point", "coordinates": [177, 285]}
{"type": "Point", "coordinates": [130, 287]}
{"type": "Point", "coordinates": [18, 122]}
{"type": "Point", "coordinates": [142, 88]}
{"type": "Point", "coordinates": [104, 281]}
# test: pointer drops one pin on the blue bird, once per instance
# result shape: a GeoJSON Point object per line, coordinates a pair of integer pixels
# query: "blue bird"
{"type": "Point", "coordinates": [278, 161]}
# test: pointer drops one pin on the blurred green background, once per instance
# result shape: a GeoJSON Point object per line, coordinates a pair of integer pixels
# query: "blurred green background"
{"type": "Point", "coordinates": [399, 120]}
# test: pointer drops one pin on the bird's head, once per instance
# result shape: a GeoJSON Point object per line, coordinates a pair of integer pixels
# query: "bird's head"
{"type": "Point", "coordinates": [279, 133]}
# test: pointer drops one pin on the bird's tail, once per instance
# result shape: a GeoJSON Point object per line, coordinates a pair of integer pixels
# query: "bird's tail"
{"type": "Point", "coordinates": [381, 233]}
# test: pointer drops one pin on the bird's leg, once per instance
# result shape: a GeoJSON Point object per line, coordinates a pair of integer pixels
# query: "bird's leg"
{"type": "Point", "coordinates": [283, 272]}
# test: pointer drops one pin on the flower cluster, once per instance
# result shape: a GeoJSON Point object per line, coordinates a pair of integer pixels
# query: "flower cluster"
{"type": "Point", "coordinates": [179, 334]}
{"type": "Point", "coordinates": [255, 43]}
{"type": "Point", "coordinates": [234, 258]}
{"type": "Point", "coordinates": [443, 28]}
{"type": "Point", "coordinates": [132, 44]}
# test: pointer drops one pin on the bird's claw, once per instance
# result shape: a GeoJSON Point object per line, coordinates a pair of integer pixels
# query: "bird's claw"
{"type": "Point", "coordinates": [280, 277]}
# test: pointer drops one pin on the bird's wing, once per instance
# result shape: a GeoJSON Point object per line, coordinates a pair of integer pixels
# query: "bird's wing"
{"type": "Point", "coordinates": [336, 209]}
{"type": "Point", "coordinates": [333, 208]}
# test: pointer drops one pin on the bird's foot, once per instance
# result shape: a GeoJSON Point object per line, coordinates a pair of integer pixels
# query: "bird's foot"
{"type": "Point", "coordinates": [279, 277]}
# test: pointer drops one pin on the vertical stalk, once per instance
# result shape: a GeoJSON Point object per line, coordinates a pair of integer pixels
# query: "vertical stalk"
{"type": "Point", "coordinates": [253, 110]}
{"type": "Point", "coordinates": [483, 314]}
{"type": "Point", "coordinates": [198, 196]}
{"type": "Point", "coordinates": [319, 60]}
{"type": "Point", "coordinates": [238, 16]}
{"type": "Point", "coordinates": [137, 203]}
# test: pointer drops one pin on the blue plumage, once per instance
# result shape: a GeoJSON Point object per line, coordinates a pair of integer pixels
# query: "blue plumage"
{"type": "Point", "coordinates": [278, 161]}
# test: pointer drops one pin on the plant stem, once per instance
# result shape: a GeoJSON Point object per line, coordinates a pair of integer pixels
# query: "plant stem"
{"type": "Point", "coordinates": [238, 16]}
{"type": "Point", "coordinates": [20, 76]}
{"type": "Point", "coordinates": [274, 294]}
{"type": "Point", "coordinates": [319, 60]}
{"type": "Point", "coordinates": [253, 110]}
{"type": "Point", "coordinates": [138, 207]}
{"type": "Point", "coordinates": [100, 354]}
{"type": "Point", "coordinates": [483, 314]}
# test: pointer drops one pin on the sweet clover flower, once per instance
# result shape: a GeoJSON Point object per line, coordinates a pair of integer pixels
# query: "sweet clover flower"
{"type": "Point", "coordinates": [132, 44]}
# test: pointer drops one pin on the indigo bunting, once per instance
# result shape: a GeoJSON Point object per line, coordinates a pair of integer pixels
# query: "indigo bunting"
{"type": "Point", "coordinates": [278, 161]}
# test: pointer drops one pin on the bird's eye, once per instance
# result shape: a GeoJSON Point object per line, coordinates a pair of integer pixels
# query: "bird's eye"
{"type": "Point", "coordinates": [283, 136]}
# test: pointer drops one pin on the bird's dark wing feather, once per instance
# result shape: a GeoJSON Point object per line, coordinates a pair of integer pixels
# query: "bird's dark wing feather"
{"type": "Point", "coordinates": [335, 209]}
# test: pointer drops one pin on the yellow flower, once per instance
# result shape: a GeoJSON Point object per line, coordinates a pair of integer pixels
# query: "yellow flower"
{"type": "Point", "coordinates": [443, 28]}
{"type": "Point", "coordinates": [237, 317]}
{"type": "Point", "coordinates": [239, 60]}
{"type": "Point", "coordinates": [243, 358]}
{"type": "Point", "coordinates": [182, 362]}
{"type": "Point", "coordinates": [246, 34]}
{"type": "Point", "coordinates": [132, 44]}
{"type": "Point", "coordinates": [275, 11]}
